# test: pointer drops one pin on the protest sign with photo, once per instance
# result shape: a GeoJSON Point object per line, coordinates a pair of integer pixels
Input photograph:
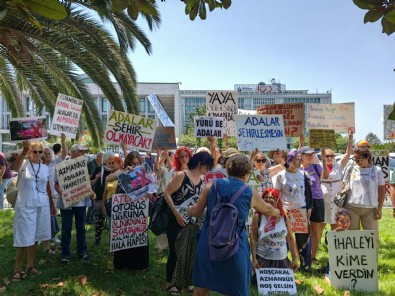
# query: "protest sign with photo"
{"type": "Point", "coordinates": [160, 111]}
{"type": "Point", "coordinates": [339, 117]}
{"type": "Point", "coordinates": [322, 138]}
{"type": "Point", "coordinates": [215, 173]}
{"type": "Point", "coordinates": [389, 122]}
{"type": "Point", "coordinates": [298, 218]}
{"type": "Point", "coordinates": [66, 116]}
{"type": "Point", "coordinates": [262, 132]}
{"type": "Point", "coordinates": [138, 182]}
{"type": "Point", "coordinates": [275, 281]}
{"type": "Point", "coordinates": [73, 179]}
{"type": "Point", "coordinates": [165, 138]}
{"type": "Point", "coordinates": [206, 126]}
{"type": "Point", "coordinates": [129, 223]}
{"type": "Point", "coordinates": [293, 116]}
{"type": "Point", "coordinates": [223, 104]}
{"type": "Point", "coordinates": [381, 158]}
{"type": "Point", "coordinates": [353, 259]}
{"type": "Point", "coordinates": [136, 131]}
{"type": "Point", "coordinates": [28, 129]}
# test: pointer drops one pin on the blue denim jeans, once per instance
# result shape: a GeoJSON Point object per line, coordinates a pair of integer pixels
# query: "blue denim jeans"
{"type": "Point", "coordinates": [3, 187]}
{"type": "Point", "coordinates": [67, 224]}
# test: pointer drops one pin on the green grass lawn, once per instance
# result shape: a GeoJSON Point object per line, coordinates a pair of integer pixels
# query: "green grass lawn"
{"type": "Point", "coordinates": [103, 280]}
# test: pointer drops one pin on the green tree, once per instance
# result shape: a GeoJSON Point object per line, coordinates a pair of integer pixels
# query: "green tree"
{"type": "Point", "coordinates": [373, 139]}
{"type": "Point", "coordinates": [45, 61]}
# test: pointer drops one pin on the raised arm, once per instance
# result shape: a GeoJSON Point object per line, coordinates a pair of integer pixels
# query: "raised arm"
{"type": "Point", "coordinates": [263, 207]}
{"type": "Point", "coordinates": [18, 162]}
{"type": "Point", "coordinates": [346, 157]}
{"type": "Point", "coordinates": [325, 171]}
{"type": "Point", "coordinates": [65, 149]}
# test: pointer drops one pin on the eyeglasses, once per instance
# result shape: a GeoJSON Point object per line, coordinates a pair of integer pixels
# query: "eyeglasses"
{"type": "Point", "coordinates": [262, 160]}
{"type": "Point", "coordinates": [111, 163]}
{"type": "Point", "coordinates": [358, 159]}
{"type": "Point", "coordinates": [39, 152]}
{"type": "Point", "coordinates": [329, 156]}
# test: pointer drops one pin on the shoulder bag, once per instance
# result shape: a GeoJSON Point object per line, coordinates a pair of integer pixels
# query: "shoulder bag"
{"type": "Point", "coordinates": [342, 195]}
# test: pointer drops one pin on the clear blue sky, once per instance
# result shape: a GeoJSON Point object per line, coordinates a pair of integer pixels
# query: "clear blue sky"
{"type": "Point", "coordinates": [309, 44]}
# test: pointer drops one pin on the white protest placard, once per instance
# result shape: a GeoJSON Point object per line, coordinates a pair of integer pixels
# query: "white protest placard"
{"type": "Point", "coordinates": [66, 117]}
{"type": "Point", "coordinates": [353, 259]}
{"type": "Point", "coordinates": [293, 116]}
{"type": "Point", "coordinates": [389, 124]}
{"type": "Point", "coordinates": [129, 223]}
{"type": "Point", "coordinates": [28, 129]}
{"type": "Point", "coordinates": [339, 117]}
{"type": "Point", "coordinates": [246, 112]}
{"type": "Point", "coordinates": [381, 158]}
{"type": "Point", "coordinates": [275, 281]}
{"type": "Point", "coordinates": [73, 179]}
{"type": "Point", "coordinates": [262, 132]}
{"type": "Point", "coordinates": [298, 218]}
{"type": "Point", "coordinates": [138, 182]}
{"type": "Point", "coordinates": [207, 126]}
{"type": "Point", "coordinates": [253, 181]}
{"type": "Point", "coordinates": [159, 110]}
{"type": "Point", "coordinates": [136, 131]}
{"type": "Point", "coordinates": [223, 104]}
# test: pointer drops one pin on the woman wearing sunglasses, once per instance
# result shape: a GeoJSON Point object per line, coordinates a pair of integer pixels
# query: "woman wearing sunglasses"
{"type": "Point", "coordinates": [334, 180]}
{"type": "Point", "coordinates": [261, 163]}
{"type": "Point", "coordinates": [33, 207]}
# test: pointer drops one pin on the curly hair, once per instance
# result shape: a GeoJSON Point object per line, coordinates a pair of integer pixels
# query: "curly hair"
{"type": "Point", "coordinates": [238, 166]}
{"type": "Point", "coordinates": [364, 153]}
{"type": "Point", "coordinates": [176, 161]}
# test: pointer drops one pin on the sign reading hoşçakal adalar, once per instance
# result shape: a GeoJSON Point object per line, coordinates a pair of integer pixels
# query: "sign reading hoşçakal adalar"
{"type": "Point", "coordinates": [73, 179]}
{"type": "Point", "coordinates": [207, 126]}
{"type": "Point", "coordinates": [66, 117]}
{"type": "Point", "coordinates": [339, 117]}
{"type": "Point", "coordinates": [262, 132]}
{"type": "Point", "coordinates": [275, 281]}
{"type": "Point", "coordinates": [136, 131]}
{"type": "Point", "coordinates": [293, 116]}
{"type": "Point", "coordinates": [322, 138]}
{"type": "Point", "coordinates": [28, 129]}
{"type": "Point", "coordinates": [159, 110]}
{"type": "Point", "coordinates": [165, 138]}
{"type": "Point", "coordinates": [223, 104]}
{"type": "Point", "coordinates": [129, 223]}
{"type": "Point", "coordinates": [353, 259]}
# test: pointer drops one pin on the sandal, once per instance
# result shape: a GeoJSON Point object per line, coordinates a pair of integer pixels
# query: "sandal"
{"type": "Point", "coordinates": [32, 270]}
{"type": "Point", "coordinates": [18, 276]}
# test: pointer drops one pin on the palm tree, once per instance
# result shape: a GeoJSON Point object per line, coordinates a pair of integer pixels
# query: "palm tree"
{"type": "Point", "coordinates": [47, 61]}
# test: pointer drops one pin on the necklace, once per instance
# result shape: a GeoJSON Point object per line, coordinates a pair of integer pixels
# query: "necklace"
{"type": "Point", "coordinates": [35, 174]}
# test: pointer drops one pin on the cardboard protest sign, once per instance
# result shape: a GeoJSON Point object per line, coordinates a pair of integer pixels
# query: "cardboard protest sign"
{"type": "Point", "coordinates": [389, 124]}
{"type": "Point", "coordinates": [223, 104]}
{"type": "Point", "coordinates": [298, 218]}
{"type": "Point", "coordinates": [322, 138]}
{"type": "Point", "coordinates": [206, 126]}
{"type": "Point", "coordinates": [159, 110]}
{"type": "Point", "coordinates": [66, 116]}
{"type": "Point", "coordinates": [381, 158]}
{"type": "Point", "coordinates": [129, 223]}
{"type": "Point", "coordinates": [73, 179]}
{"type": "Point", "coordinates": [353, 259]}
{"type": "Point", "coordinates": [262, 132]}
{"type": "Point", "coordinates": [273, 281]}
{"type": "Point", "coordinates": [136, 131]}
{"type": "Point", "coordinates": [339, 117]}
{"type": "Point", "coordinates": [28, 129]}
{"type": "Point", "coordinates": [138, 182]}
{"type": "Point", "coordinates": [293, 116]}
{"type": "Point", "coordinates": [165, 138]}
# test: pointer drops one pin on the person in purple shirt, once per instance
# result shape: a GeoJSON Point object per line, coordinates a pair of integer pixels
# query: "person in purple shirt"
{"type": "Point", "coordinates": [315, 171]}
{"type": "Point", "coordinates": [5, 177]}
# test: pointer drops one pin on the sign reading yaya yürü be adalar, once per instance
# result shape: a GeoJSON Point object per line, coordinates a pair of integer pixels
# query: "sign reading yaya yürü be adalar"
{"type": "Point", "coordinates": [136, 131]}
{"type": "Point", "coordinates": [207, 126]}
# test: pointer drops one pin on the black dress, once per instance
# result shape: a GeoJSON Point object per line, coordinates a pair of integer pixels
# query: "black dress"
{"type": "Point", "coordinates": [134, 258]}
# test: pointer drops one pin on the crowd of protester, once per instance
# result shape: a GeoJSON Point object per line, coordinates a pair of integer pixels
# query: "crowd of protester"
{"type": "Point", "coordinates": [294, 179]}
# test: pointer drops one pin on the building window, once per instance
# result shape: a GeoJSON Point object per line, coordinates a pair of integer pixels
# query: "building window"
{"type": "Point", "coordinates": [191, 104]}
{"type": "Point", "coordinates": [150, 108]}
{"type": "Point", "coordinates": [104, 121]}
{"type": "Point", "coordinates": [262, 101]}
{"type": "Point", "coordinates": [104, 105]}
{"type": "Point", "coordinates": [142, 105]}
{"type": "Point", "coordinates": [241, 103]}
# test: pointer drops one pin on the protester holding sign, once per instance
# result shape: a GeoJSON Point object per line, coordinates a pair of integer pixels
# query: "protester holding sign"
{"type": "Point", "coordinates": [334, 180]}
{"type": "Point", "coordinates": [269, 248]}
{"type": "Point", "coordinates": [183, 189]}
{"type": "Point", "coordinates": [367, 196]}
{"type": "Point", "coordinates": [261, 163]}
{"type": "Point", "coordinates": [78, 210]}
{"type": "Point", "coordinates": [314, 170]}
{"type": "Point", "coordinates": [33, 207]}
{"type": "Point", "coordinates": [295, 190]}
{"type": "Point", "coordinates": [231, 276]}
